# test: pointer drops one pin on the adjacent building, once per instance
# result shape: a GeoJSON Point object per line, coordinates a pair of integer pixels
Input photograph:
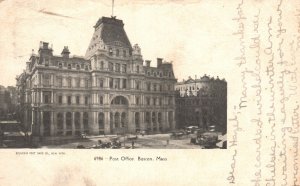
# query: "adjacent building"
{"type": "Point", "coordinates": [110, 90]}
{"type": "Point", "coordinates": [202, 102]}
{"type": "Point", "coordinates": [7, 102]}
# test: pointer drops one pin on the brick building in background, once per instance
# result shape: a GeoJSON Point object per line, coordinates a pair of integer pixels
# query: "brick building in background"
{"type": "Point", "coordinates": [202, 102]}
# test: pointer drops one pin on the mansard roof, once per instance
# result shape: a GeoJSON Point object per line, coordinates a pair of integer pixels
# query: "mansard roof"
{"type": "Point", "coordinates": [110, 31]}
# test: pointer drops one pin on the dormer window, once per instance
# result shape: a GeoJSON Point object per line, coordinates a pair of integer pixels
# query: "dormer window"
{"type": "Point", "coordinates": [46, 62]}
{"type": "Point", "coordinates": [110, 51]}
{"type": "Point", "coordinates": [69, 66]}
{"type": "Point", "coordinates": [86, 67]}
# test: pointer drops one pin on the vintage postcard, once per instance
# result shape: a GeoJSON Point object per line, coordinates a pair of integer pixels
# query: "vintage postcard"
{"type": "Point", "coordinates": [147, 92]}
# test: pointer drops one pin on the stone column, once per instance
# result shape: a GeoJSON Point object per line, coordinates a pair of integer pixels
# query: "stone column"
{"type": "Point", "coordinates": [64, 123]}
{"type": "Point", "coordinates": [33, 122]}
{"type": "Point", "coordinates": [41, 97]}
{"type": "Point", "coordinates": [52, 126]}
{"type": "Point", "coordinates": [142, 122]}
{"type": "Point", "coordinates": [174, 120]}
{"type": "Point", "coordinates": [106, 122]}
{"type": "Point", "coordinates": [156, 119]}
{"type": "Point", "coordinates": [73, 123]}
{"type": "Point", "coordinates": [167, 124]}
{"type": "Point", "coordinates": [52, 97]}
{"type": "Point", "coordinates": [151, 122]}
{"type": "Point", "coordinates": [130, 121]}
{"type": "Point", "coordinates": [42, 123]}
{"type": "Point", "coordinates": [81, 122]}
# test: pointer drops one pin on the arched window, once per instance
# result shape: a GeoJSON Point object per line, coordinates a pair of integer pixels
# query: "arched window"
{"type": "Point", "coordinates": [123, 119]}
{"type": "Point", "coordinates": [137, 120]}
{"type": "Point", "coordinates": [85, 121]}
{"type": "Point", "coordinates": [101, 120]}
{"type": "Point", "coordinates": [119, 100]}
{"type": "Point", "coordinates": [159, 121]}
{"type": "Point", "coordinates": [154, 121]}
{"type": "Point", "coordinates": [69, 120]}
{"type": "Point", "coordinates": [77, 120]}
{"type": "Point", "coordinates": [117, 120]}
{"type": "Point", "coordinates": [153, 117]}
{"type": "Point", "coordinates": [60, 121]}
{"type": "Point", "coordinates": [147, 119]}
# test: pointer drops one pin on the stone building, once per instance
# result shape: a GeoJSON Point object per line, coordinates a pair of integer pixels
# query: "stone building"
{"type": "Point", "coordinates": [7, 102]}
{"type": "Point", "coordinates": [108, 91]}
{"type": "Point", "coordinates": [202, 102]}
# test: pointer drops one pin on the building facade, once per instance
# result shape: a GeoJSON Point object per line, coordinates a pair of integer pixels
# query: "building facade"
{"type": "Point", "coordinates": [7, 102]}
{"type": "Point", "coordinates": [202, 102]}
{"type": "Point", "coordinates": [108, 91]}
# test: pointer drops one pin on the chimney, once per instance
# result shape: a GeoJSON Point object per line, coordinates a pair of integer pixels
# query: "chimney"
{"type": "Point", "coordinates": [159, 61]}
{"type": "Point", "coordinates": [148, 63]}
{"type": "Point", "coordinates": [65, 52]}
{"type": "Point", "coordinates": [45, 45]}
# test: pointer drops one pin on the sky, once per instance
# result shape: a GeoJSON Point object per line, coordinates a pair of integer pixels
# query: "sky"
{"type": "Point", "coordinates": [192, 34]}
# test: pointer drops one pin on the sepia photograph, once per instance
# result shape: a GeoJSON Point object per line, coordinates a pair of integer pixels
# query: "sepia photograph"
{"type": "Point", "coordinates": [149, 92]}
{"type": "Point", "coordinates": [111, 96]}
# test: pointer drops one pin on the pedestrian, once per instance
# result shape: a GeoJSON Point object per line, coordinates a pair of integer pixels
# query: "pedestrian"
{"type": "Point", "coordinates": [167, 141]}
{"type": "Point", "coordinates": [132, 144]}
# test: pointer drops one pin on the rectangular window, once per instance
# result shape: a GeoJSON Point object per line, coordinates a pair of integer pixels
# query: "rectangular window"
{"type": "Point", "coordinates": [124, 83]}
{"type": "Point", "coordinates": [86, 100]}
{"type": "Point", "coordinates": [148, 86]}
{"type": "Point", "coordinates": [78, 82]}
{"type": "Point", "coordinates": [86, 83]}
{"type": "Point", "coordinates": [101, 83]}
{"type": "Point", "coordinates": [137, 69]}
{"type": "Point", "coordinates": [154, 101]}
{"type": "Point", "coordinates": [148, 101]}
{"type": "Point", "coordinates": [46, 80]}
{"type": "Point", "coordinates": [69, 82]}
{"type": "Point", "coordinates": [111, 82]}
{"type": "Point", "coordinates": [69, 100]}
{"type": "Point", "coordinates": [77, 100]}
{"type": "Point", "coordinates": [111, 66]}
{"type": "Point", "coordinates": [160, 88]}
{"type": "Point", "coordinates": [124, 68]}
{"type": "Point", "coordinates": [117, 83]}
{"type": "Point", "coordinates": [160, 101]}
{"type": "Point", "coordinates": [154, 87]}
{"type": "Point", "coordinates": [137, 100]}
{"type": "Point", "coordinates": [59, 81]}
{"type": "Point", "coordinates": [46, 99]}
{"type": "Point", "coordinates": [117, 67]}
{"type": "Point", "coordinates": [137, 85]}
{"type": "Point", "coordinates": [60, 99]}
